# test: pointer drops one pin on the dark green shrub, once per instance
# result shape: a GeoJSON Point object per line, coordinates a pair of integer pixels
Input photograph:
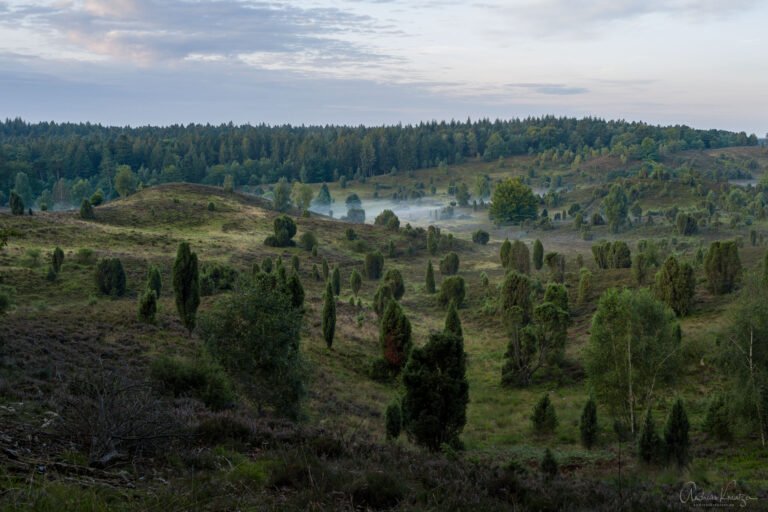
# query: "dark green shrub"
{"type": "Point", "coordinates": [84, 256]}
{"type": "Point", "coordinates": [519, 258]}
{"type": "Point", "coordinates": [266, 265]}
{"type": "Point", "coordinates": [717, 422]}
{"type": "Point", "coordinates": [544, 418]}
{"type": "Point", "coordinates": [381, 298]}
{"type": "Point", "coordinates": [355, 281]}
{"type": "Point", "coordinates": [377, 491]}
{"type": "Point", "coordinates": [147, 306]}
{"type": "Point", "coordinates": [452, 289]}
{"type": "Point", "coordinates": [200, 378]}
{"type": "Point", "coordinates": [222, 427]}
{"type": "Point", "coordinates": [675, 285]}
{"type": "Point", "coordinates": [329, 315]}
{"type": "Point", "coordinates": [336, 280]}
{"type": "Point", "coordinates": [86, 210]}
{"type": "Point", "coordinates": [453, 322]}
{"type": "Point", "coordinates": [395, 335]}
{"type": "Point", "coordinates": [16, 203]}
{"type": "Point", "coordinates": [285, 230]}
{"type": "Point", "coordinates": [538, 254]}
{"type": "Point", "coordinates": [722, 266]}
{"type": "Point", "coordinates": [449, 265]}
{"type": "Point", "coordinates": [676, 439]}
{"type": "Point", "coordinates": [186, 286]}
{"type": "Point", "coordinates": [374, 265]}
{"type": "Point", "coordinates": [255, 334]}
{"type": "Point", "coordinates": [649, 447]}
{"type": "Point", "coordinates": [216, 277]}
{"type": "Point", "coordinates": [549, 467]}
{"type": "Point", "coordinates": [393, 420]}
{"type": "Point", "coordinates": [588, 427]}
{"type": "Point", "coordinates": [110, 277]}
{"type": "Point", "coordinates": [350, 234]}
{"type": "Point", "coordinates": [326, 269]}
{"type": "Point", "coordinates": [307, 241]}
{"type": "Point", "coordinates": [97, 198]}
{"type": "Point", "coordinates": [394, 279]}
{"type": "Point", "coordinates": [295, 263]}
{"type": "Point", "coordinates": [433, 419]}
{"type": "Point", "coordinates": [51, 274]}
{"type": "Point", "coordinates": [686, 224]}
{"type": "Point", "coordinates": [429, 280]}
{"type": "Point", "coordinates": [387, 219]}
{"type": "Point", "coordinates": [57, 259]}
{"type": "Point", "coordinates": [296, 291]}
{"type": "Point", "coordinates": [481, 237]}
{"type": "Point", "coordinates": [155, 280]}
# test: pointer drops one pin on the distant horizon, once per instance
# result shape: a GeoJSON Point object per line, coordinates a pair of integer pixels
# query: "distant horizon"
{"type": "Point", "coordinates": [366, 125]}
{"type": "Point", "coordinates": [384, 62]}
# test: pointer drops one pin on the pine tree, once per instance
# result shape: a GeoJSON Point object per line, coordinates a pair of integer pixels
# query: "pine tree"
{"type": "Point", "coordinates": [329, 315]}
{"type": "Point", "coordinates": [453, 322]}
{"type": "Point", "coordinates": [395, 336]}
{"type": "Point", "coordinates": [295, 263]}
{"type": "Point", "coordinates": [433, 418]}
{"type": "Point", "coordinates": [147, 306]}
{"type": "Point", "coordinates": [355, 281]}
{"type": "Point", "coordinates": [316, 272]}
{"type": "Point", "coordinates": [588, 427]}
{"type": "Point", "coordinates": [336, 280]}
{"type": "Point", "coordinates": [544, 418]}
{"type": "Point", "coordinates": [430, 279]}
{"type": "Point", "coordinates": [549, 467]}
{"type": "Point", "coordinates": [154, 280]}
{"type": "Point", "coordinates": [676, 439]}
{"type": "Point", "coordinates": [538, 254]}
{"type": "Point", "coordinates": [393, 420]}
{"type": "Point", "coordinates": [186, 285]}
{"type": "Point", "coordinates": [57, 259]}
{"type": "Point", "coordinates": [649, 446]}
{"type": "Point", "coordinates": [266, 265]}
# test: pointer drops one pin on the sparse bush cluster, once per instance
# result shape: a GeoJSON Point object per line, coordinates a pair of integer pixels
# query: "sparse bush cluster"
{"type": "Point", "coordinates": [612, 255]}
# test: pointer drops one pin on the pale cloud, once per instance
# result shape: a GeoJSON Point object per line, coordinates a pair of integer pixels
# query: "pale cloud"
{"type": "Point", "coordinates": [376, 61]}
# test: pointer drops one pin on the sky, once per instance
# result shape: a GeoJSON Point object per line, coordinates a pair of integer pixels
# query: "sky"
{"type": "Point", "coordinates": [136, 62]}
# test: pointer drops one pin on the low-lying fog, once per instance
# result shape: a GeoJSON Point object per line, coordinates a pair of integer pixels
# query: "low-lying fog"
{"type": "Point", "coordinates": [417, 213]}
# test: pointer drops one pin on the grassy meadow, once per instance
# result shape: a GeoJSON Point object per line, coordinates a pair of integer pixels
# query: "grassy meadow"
{"type": "Point", "coordinates": [64, 327]}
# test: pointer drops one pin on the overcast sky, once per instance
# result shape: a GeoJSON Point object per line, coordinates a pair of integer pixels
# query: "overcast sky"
{"type": "Point", "coordinates": [696, 62]}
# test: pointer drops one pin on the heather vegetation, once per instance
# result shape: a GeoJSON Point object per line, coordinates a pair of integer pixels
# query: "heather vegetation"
{"type": "Point", "coordinates": [579, 326]}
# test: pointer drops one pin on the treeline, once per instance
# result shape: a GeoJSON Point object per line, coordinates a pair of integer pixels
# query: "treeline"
{"type": "Point", "coordinates": [89, 154]}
